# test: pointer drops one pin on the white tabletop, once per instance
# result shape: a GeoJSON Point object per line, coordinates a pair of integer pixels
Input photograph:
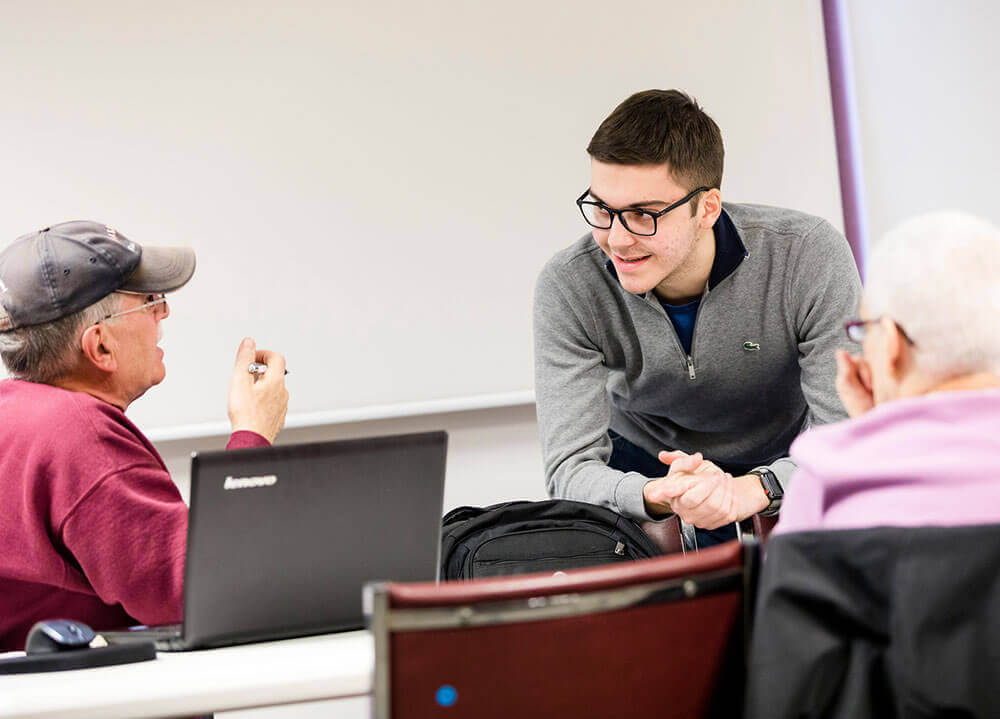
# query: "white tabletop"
{"type": "Point", "coordinates": [178, 683]}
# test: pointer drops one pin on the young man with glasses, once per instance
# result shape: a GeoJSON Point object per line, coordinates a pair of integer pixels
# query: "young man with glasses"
{"type": "Point", "coordinates": [683, 325]}
{"type": "Point", "coordinates": [93, 527]}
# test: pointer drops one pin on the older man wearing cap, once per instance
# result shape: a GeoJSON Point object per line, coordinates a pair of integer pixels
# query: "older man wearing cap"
{"type": "Point", "coordinates": [92, 527]}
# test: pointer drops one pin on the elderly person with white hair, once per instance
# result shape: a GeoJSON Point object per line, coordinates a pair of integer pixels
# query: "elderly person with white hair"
{"type": "Point", "coordinates": [880, 594]}
{"type": "Point", "coordinates": [923, 444]}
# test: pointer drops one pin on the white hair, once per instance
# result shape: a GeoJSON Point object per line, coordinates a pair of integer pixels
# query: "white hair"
{"type": "Point", "coordinates": [938, 277]}
{"type": "Point", "coordinates": [48, 352]}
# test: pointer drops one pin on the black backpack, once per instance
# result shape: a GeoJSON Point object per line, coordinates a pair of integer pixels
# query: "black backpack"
{"type": "Point", "coordinates": [549, 536]}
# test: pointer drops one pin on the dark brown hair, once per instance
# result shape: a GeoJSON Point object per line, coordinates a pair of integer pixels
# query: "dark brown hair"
{"type": "Point", "coordinates": [653, 127]}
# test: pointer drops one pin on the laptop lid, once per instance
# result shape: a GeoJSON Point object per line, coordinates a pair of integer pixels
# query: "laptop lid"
{"type": "Point", "coordinates": [282, 539]}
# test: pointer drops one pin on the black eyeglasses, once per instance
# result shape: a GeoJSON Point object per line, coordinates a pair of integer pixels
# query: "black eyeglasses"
{"type": "Point", "coordinates": [638, 222]}
{"type": "Point", "coordinates": [857, 329]}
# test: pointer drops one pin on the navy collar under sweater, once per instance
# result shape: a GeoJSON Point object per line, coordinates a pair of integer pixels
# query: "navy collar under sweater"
{"type": "Point", "coordinates": [729, 251]}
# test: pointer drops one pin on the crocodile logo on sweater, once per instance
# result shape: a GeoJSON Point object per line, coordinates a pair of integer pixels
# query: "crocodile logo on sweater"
{"type": "Point", "coordinates": [751, 346]}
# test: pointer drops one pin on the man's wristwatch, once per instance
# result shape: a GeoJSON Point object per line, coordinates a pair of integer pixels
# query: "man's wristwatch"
{"type": "Point", "coordinates": [772, 488]}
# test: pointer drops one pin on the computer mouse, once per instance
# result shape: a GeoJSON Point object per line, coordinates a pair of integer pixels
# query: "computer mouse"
{"type": "Point", "coordinates": [58, 635]}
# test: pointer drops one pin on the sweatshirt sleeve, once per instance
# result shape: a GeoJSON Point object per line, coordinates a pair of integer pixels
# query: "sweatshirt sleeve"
{"type": "Point", "coordinates": [573, 407]}
{"type": "Point", "coordinates": [245, 439]}
{"type": "Point", "coordinates": [802, 507]}
{"type": "Point", "coordinates": [822, 292]}
{"type": "Point", "coordinates": [128, 536]}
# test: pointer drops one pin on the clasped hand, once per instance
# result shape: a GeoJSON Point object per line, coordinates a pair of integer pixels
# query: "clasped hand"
{"type": "Point", "coordinates": [700, 493]}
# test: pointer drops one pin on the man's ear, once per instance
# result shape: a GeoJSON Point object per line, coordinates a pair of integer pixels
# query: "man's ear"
{"type": "Point", "coordinates": [99, 347]}
{"type": "Point", "coordinates": [709, 208]}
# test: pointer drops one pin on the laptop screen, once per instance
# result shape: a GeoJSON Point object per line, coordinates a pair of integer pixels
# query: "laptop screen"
{"type": "Point", "coordinates": [282, 539]}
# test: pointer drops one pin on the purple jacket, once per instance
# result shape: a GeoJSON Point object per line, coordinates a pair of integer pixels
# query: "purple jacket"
{"type": "Point", "coordinates": [928, 460]}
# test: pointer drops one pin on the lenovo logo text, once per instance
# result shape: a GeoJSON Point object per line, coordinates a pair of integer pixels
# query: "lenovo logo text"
{"type": "Point", "coordinates": [250, 482]}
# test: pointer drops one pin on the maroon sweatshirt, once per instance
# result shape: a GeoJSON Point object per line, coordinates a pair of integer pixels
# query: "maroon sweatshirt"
{"type": "Point", "coordinates": [91, 525]}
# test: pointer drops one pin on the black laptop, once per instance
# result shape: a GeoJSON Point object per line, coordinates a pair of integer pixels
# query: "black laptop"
{"type": "Point", "coordinates": [281, 540]}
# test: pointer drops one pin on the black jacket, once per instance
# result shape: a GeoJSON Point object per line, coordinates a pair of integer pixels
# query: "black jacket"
{"type": "Point", "coordinates": [884, 622]}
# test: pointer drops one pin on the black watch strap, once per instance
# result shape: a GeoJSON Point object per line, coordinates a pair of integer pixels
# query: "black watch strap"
{"type": "Point", "coordinates": [772, 488]}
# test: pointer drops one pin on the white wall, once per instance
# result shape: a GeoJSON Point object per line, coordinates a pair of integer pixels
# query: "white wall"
{"type": "Point", "coordinates": [928, 102]}
{"type": "Point", "coordinates": [372, 187]}
{"type": "Point", "coordinates": [493, 455]}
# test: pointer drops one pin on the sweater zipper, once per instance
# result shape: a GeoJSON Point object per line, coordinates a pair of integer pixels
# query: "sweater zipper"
{"type": "Point", "coordinates": [688, 359]}
{"type": "Point", "coordinates": [694, 334]}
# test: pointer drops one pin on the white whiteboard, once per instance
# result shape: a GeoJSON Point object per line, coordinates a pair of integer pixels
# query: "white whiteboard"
{"type": "Point", "coordinates": [371, 188]}
{"type": "Point", "coordinates": [928, 100]}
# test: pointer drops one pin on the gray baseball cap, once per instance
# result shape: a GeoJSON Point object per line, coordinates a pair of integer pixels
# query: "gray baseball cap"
{"type": "Point", "coordinates": [65, 268]}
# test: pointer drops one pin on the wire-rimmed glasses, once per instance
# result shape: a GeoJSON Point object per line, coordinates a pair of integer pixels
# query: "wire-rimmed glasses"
{"type": "Point", "coordinates": [857, 330]}
{"type": "Point", "coordinates": [154, 303]}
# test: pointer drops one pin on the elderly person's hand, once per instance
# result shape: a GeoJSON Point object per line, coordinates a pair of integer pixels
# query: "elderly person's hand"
{"type": "Point", "coordinates": [854, 383]}
{"type": "Point", "coordinates": [258, 403]}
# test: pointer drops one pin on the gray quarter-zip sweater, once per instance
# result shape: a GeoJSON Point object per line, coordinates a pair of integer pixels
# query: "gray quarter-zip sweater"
{"type": "Point", "coordinates": [760, 371]}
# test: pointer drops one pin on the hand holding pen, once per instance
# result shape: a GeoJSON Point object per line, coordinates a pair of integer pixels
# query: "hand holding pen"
{"type": "Point", "coordinates": [258, 368]}
{"type": "Point", "coordinates": [258, 400]}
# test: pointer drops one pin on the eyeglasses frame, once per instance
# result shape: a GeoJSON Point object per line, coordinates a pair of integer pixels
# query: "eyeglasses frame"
{"type": "Point", "coordinates": [580, 202]}
{"type": "Point", "coordinates": [161, 300]}
{"type": "Point", "coordinates": [850, 325]}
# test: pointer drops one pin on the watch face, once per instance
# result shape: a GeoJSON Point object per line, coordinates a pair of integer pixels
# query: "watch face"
{"type": "Point", "coordinates": [774, 487]}
{"type": "Point", "coordinates": [770, 484]}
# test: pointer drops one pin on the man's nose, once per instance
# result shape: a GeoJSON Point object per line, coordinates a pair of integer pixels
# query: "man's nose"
{"type": "Point", "coordinates": [618, 236]}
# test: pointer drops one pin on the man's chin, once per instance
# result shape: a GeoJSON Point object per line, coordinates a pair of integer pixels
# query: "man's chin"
{"type": "Point", "coordinates": [636, 288]}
